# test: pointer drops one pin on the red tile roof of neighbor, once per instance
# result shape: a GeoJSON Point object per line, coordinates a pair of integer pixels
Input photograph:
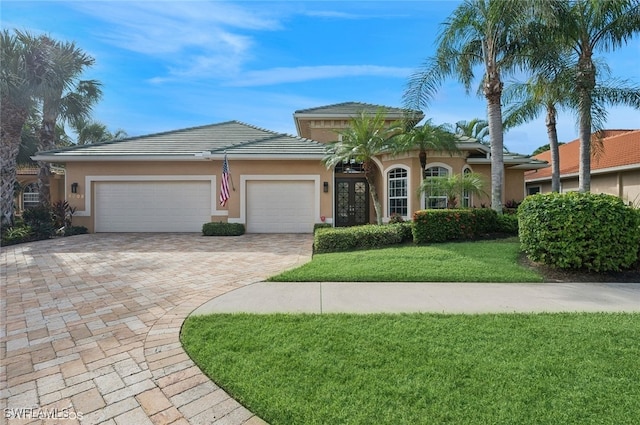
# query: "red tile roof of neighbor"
{"type": "Point", "coordinates": [620, 148]}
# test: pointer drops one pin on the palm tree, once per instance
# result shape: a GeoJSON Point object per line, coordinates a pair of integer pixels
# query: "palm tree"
{"type": "Point", "coordinates": [476, 129]}
{"type": "Point", "coordinates": [67, 98]}
{"type": "Point", "coordinates": [427, 137]}
{"type": "Point", "coordinates": [366, 137]}
{"type": "Point", "coordinates": [24, 70]}
{"type": "Point", "coordinates": [585, 27]}
{"type": "Point", "coordinates": [453, 186]}
{"type": "Point", "coordinates": [88, 132]}
{"type": "Point", "coordinates": [479, 32]}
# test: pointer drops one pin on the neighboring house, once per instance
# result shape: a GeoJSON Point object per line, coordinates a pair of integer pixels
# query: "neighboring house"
{"type": "Point", "coordinates": [170, 182]}
{"type": "Point", "coordinates": [615, 169]}
{"type": "Point", "coordinates": [27, 195]}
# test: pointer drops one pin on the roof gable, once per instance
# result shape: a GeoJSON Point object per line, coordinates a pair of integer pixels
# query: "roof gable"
{"type": "Point", "coordinates": [620, 148]}
{"type": "Point", "coordinates": [226, 137]}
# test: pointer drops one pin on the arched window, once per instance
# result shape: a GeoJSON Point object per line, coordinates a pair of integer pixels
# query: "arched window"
{"type": "Point", "coordinates": [432, 198]}
{"type": "Point", "coordinates": [466, 196]}
{"type": "Point", "coordinates": [30, 196]}
{"type": "Point", "coordinates": [397, 184]}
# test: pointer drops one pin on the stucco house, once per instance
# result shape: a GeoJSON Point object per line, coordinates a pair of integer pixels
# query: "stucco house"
{"type": "Point", "coordinates": [170, 182]}
{"type": "Point", "coordinates": [27, 195]}
{"type": "Point", "coordinates": [615, 169]}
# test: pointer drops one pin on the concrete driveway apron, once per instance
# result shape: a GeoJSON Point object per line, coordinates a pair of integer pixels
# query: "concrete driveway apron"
{"type": "Point", "coordinates": [90, 324]}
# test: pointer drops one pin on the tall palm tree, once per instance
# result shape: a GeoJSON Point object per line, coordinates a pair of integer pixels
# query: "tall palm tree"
{"type": "Point", "coordinates": [479, 33]}
{"type": "Point", "coordinates": [24, 69]}
{"type": "Point", "coordinates": [366, 137]}
{"type": "Point", "coordinates": [586, 27]}
{"type": "Point", "coordinates": [68, 98]}
{"type": "Point", "coordinates": [427, 137]}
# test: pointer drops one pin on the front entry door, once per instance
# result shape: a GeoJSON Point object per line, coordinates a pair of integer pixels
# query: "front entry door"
{"type": "Point", "coordinates": [352, 202]}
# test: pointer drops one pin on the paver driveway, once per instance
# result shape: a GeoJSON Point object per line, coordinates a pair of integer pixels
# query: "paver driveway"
{"type": "Point", "coordinates": [90, 324]}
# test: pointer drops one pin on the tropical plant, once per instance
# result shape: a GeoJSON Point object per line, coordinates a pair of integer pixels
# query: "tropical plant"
{"type": "Point", "coordinates": [366, 137]}
{"type": "Point", "coordinates": [66, 97]}
{"type": "Point", "coordinates": [24, 70]}
{"type": "Point", "coordinates": [453, 187]}
{"type": "Point", "coordinates": [586, 27]}
{"type": "Point", "coordinates": [476, 129]}
{"type": "Point", "coordinates": [427, 137]}
{"type": "Point", "coordinates": [89, 132]}
{"type": "Point", "coordinates": [479, 32]}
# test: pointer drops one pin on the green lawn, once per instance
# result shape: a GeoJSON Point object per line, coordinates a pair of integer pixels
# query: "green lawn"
{"type": "Point", "coordinates": [425, 369]}
{"type": "Point", "coordinates": [482, 261]}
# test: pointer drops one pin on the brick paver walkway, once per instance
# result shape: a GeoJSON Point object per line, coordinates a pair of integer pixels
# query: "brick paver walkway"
{"type": "Point", "coordinates": [90, 325]}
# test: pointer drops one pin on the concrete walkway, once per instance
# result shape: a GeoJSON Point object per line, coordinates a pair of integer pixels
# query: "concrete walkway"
{"type": "Point", "coordinates": [426, 297]}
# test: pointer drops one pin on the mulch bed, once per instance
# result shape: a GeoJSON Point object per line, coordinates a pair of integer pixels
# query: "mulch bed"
{"type": "Point", "coordinates": [552, 274]}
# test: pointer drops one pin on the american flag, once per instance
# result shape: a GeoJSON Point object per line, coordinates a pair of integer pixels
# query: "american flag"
{"type": "Point", "coordinates": [224, 185]}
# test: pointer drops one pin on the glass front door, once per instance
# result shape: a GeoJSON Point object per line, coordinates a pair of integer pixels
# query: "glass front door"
{"type": "Point", "coordinates": [352, 202]}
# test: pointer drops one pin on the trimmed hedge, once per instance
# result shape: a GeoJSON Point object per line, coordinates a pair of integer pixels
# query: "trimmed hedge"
{"type": "Point", "coordinates": [507, 224]}
{"type": "Point", "coordinates": [358, 237]}
{"type": "Point", "coordinates": [597, 232]}
{"type": "Point", "coordinates": [223, 229]}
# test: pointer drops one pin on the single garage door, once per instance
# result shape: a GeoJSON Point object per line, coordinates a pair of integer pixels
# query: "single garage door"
{"type": "Point", "coordinates": [280, 206]}
{"type": "Point", "coordinates": [156, 206]}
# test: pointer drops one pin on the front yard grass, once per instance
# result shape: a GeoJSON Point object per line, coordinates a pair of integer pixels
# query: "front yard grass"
{"type": "Point", "coordinates": [482, 261]}
{"type": "Point", "coordinates": [424, 368]}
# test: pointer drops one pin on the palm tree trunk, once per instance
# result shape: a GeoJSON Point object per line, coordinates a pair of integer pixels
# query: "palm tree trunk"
{"type": "Point", "coordinates": [494, 110]}
{"type": "Point", "coordinates": [552, 132]}
{"type": "Point", "coordinates": [47, 142]}
{"type": "Point", "coordinates": [586, 81]}
{"type": "Point", "coordinates": [369, 168]}
{"type": "Point", "coordinates": [12, 119]}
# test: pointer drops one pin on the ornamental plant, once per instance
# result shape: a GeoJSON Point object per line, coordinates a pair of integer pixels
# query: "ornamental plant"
{"type": "Point", "coordinates": [596, 232]}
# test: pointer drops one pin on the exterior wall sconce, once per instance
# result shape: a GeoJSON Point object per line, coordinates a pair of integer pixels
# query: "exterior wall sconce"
{"type": "Point", "coordinates": [326, 187]}
{"type": "Point", "coordinates": [74, 187]}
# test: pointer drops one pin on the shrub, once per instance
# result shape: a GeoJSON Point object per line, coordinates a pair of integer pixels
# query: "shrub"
{"type": "Point", "coordinates": [75, 230]}
{"type": "Point", "coordinates": [62, 214]}
{"type": "Point", "coordinates": [358, 237]}
{"type": "Point", "coordinates": [321, 226]}
{"type": "Point", "coordinates": [17, 234]}
{"type": "Point", "coordinates": [597, 232]}
{"type": "Point", "coordinates": [507, 223]}
{"type": "Point", "coordinates": [486, 220]}
{"type": "Point", "coordinates": [40, 219]}
{"type": "Point", "coordinates": [443, 225]}
{"type": "Point", "coordinates": [396, 218]}
{"type": "Point", "coordinates": [405, 228]}
{"type": "Point", "coordinates": [223, 229]}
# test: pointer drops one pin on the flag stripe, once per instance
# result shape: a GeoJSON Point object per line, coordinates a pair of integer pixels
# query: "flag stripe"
{"type": "Point", "coordinates": [224, 185]}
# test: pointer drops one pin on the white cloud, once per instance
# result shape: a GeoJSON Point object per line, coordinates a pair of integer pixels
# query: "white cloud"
{"type": "Point", "coordinates": [307, 73]}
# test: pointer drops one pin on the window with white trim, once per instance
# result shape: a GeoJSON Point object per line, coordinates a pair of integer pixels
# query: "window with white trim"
{"type": "Point", "coordinates": [397, 185]}
{"type": "Point", "coordinates": [466, 195]}
{"type": "Point", "coordinates": [434, 200]}
{"type": "Point", "coordinates": [30, 196]}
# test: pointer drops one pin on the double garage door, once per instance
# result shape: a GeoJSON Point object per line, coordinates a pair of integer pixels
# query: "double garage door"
{"type": "Point", "coordinates": [272, 206]}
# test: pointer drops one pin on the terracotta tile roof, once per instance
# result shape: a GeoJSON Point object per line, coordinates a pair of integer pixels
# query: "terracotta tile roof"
{"type": "Point", "coordinates": [620, 148]}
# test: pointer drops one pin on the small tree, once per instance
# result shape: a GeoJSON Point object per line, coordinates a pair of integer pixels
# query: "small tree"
{"type": "Point", "coordinates": [453, 187]}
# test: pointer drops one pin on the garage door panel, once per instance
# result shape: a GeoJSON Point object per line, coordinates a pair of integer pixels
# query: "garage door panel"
{"type": "Point", "coordinates": [156, 206]}
{"type": "Point", "coordinates": [280, 206]}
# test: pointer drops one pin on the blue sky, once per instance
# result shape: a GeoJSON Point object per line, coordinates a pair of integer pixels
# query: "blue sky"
{"type": "Point", "coordinates": [166, 65]}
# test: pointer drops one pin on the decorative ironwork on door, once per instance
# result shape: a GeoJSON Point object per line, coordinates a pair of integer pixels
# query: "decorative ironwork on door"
{"type": "Point", "coordinates": [352, 202]}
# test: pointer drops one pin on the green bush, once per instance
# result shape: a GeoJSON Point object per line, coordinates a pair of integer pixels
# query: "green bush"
{"type": "Point", "coordinates": [507, 224]}
{"type": "Point", "coordinates": [596, 232]}
{"type": "Point", "coordinates": [405, 228]}
{"type": "Point", "coordinates": [321, 226]}
{"type": "Point", "coordinates": [443, 225]}
{"type": "Point", "coordinates": [75, 230]}
{"type": "Point", "coordinates": [17, 234]}
{"type": "Point", "coordinates": [41, 221]}
{"type": "Point", "coordinates": [486, 220]}
{"type": "Point", "coordinates": [358, 237]}
{"type": "Point", "coordinates": [223, 229]}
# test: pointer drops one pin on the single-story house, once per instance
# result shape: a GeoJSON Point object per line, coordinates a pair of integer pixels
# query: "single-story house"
{"type": "Point", "coordinates": [170, 182]}
{"type": "Point", "coordinates": [615, 168]}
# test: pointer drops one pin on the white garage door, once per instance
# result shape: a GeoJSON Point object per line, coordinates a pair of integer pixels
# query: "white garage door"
{"type": "Point", "coordinates": [280, 206]}
{"type": "Point", "coordinates": [157, 206]}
